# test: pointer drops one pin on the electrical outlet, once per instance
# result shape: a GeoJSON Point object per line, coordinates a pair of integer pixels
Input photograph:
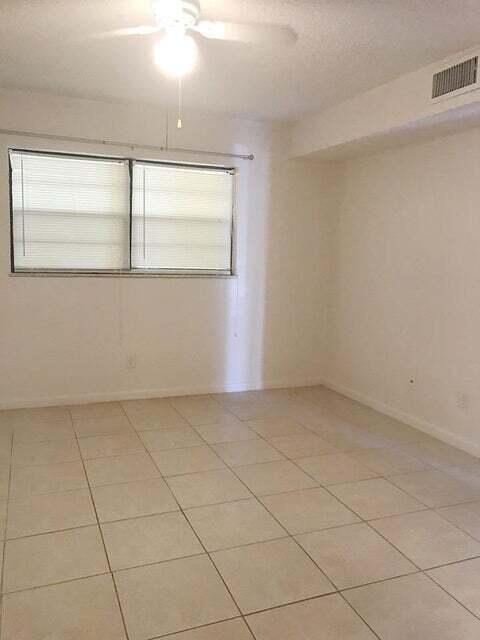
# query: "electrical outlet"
{"type": "Point", "coordinates": [131, 362]}
{"type": "Point", "coordinates": [463, 402]}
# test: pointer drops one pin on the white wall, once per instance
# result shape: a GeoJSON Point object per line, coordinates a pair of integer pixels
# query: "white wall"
{"type": "Point", "coordinates": [405, 287]}
{"type": "Point", "coordinates": [80, 339]}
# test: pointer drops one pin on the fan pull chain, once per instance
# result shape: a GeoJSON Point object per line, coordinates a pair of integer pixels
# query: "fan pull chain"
{"type": "Point", "coordinates": [179, 121]}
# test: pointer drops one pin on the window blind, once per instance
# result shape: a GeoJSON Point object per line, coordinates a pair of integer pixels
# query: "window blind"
{"type": "Point", "coordinates": [182, 218]}
{"type": "Point", "coordinates": [69, 213]}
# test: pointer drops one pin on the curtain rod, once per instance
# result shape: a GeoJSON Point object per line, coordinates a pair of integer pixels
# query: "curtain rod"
{"type": "Point", "coordinates": [132, 145]}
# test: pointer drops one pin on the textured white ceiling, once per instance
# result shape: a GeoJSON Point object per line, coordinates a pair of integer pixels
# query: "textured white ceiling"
{"type": "Point", "coordinates": [344, 47]}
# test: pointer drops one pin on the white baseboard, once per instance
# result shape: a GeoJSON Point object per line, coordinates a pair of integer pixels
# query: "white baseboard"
{"type": "Point", "coordinates": [467, 445]}
{"type": "Point", "coordinates": [134, 394]}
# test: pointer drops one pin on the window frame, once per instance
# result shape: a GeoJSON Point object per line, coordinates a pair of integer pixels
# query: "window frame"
{"type": "Point", "coordinates": [130, 272]}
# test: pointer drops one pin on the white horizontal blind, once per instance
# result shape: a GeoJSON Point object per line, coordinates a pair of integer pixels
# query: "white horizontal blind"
{"type": "Point", "coordinates": [69, 212]}
{"type": "Point", "coordinates": [182, 218]}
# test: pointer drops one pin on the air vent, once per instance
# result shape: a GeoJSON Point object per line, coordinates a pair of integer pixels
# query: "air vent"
{"type": "Point", "coordinates": [454, 78]}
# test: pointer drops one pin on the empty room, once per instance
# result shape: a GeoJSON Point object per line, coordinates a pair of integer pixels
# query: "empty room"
{"type": "Point", "coordinates": [240, 320]}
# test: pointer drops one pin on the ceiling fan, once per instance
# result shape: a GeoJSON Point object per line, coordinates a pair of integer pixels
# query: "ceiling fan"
{"type": "Point", "coordinates": [176, 52]}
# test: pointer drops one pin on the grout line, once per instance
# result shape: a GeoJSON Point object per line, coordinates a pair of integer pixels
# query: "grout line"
{"type": "Point", "coordinates": [199, 540]}
{"type": "Point", "coordinates": [351, 510]}
{"type": "Point", "coordinates": [476, 615]}
{"type": "Point", "coordinates": [56, 583]}
{"type": "Point", "coordinates": [47, 533]}
{"type": "Point", "coordinates": [288, 536]}
{"type": "Point", "coordinates": [419, 572]}
{"type": "Point", "coordinates": [329, 580]}
{"type": "Point", "coordinates": [304, 551]}
{"type": "Point", "coordinates": [197, 628]}
{"type": "Point", "coordinates": [437, 511]}
{"type": "Point", "coordinates": [200, 554]}
{"type": "Point", "coordinates": [4, 542]}
{"type": "Point", "coordinates": [258, 499]}
{"type": "Point", "coordinates": [101, 535]}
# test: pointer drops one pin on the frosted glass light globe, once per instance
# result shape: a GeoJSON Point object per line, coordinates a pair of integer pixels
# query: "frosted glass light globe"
{"type": "Point", "coordinates": [176, 54]}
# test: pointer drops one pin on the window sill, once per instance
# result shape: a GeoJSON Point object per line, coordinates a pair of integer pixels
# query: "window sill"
{"type": "Point", "coordinates": [113, 274]}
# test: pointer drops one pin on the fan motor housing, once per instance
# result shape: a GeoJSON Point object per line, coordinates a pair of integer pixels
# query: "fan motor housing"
{"type": "Point", "coordinates": [171, 13]}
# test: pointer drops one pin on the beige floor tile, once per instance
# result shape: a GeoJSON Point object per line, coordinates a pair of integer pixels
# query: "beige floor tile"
{"type": "Point", "coordinates": [276, 426]}
{"type": "Point", "coordinates": [172, 596]}
{"type": "Point", "coordinates": [199, 409]}
{"type": "Point", "coordinates": [231, 630]}
{"type": "Point", "coordinates": [335, 468]}
{"type": "Point", "coordinates": [53, 557]}
{"type": "Point", "coordinates": [347, 437]}
{"type": "Point", "coordinates": [413, 607]}
{"type": "Point", "coordinates": [176, 462]}
{"type": "Point", "coordinates": [131, 543]}
{"type": "Point", "coordinates": [7, 420]}
{"type": "Point", "coordinates": [153, 413]}
{"type": "Point", "coordinates": [274, 477]}
{"type": "Point", "coordinates": [51, 512]}
{"type": "Point", "coordinates": [104, 426]}
{"type": "Point", "coordinates": [33, 453]}
{"type": "Point", "coordinates": [462, 581]}
{"type": "Point", "coordinates": [388, 462]}
{"type": "Point", "coordinates": [375, 498]}
{"type": "Point", "coordinates": [465, 516]}
{"type": "Point", "coordinates": [268, 574]}
{"type": "Point", "coordinates": [137, 466]}
{"type": "Point", "coordinates": [6, 440]}
{"type": "Point", "coordinates": [164, 419]}
{"type": "Point", "coordinates": [64, 612]}
{"type": "Point", "coordinates": [228, 429]}
{"type": "Point", "coordinates": [146, 405]}
{"type": "Point", "coordinates": [3, 518]}
{"type": "Point", "coordinates": [53, 478]}
{"type": "Point", "coordinates": [37, 415]}
{"type": "Point", "coordinates": [439, 454]}
{"type": "Point", "coordinates": [4, 480]}
{"type": "Point", "coordinates": [107, 446]}
{"type": "Point", "coordinates": [247, 452]}
{"type": "Point", "coordinates": [44, 431]}
{"type": "Point", "coordinates": [467, 474]}
{"type": "Point", "coordinates": [171, 439]}
{"type": "Point", "coordinates": [249, 405]}
{"type": "Point", "coordinates": [327, 618]}
{"type": "Point", "coordinates": [354, 555]}
{"type": "Point", "coordinates": [233, 524]}
{"type": "Point", "coordinates": [436, 489]}
{"type": "Point", "coordinates": [96, 410]}
{"type": "Point", "coordinates": [209, 487]}
{"type": "Point", "coordinates": [308, 510]}
{"type": "Point", "coordinates": [301, 446]}
{"type": "Point", "coordinates": [427, 539]}
{"type": "Point", "coordinates": [133, 499]}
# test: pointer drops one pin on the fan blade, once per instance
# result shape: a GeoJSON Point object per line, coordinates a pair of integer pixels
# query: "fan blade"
{"type": "Point", "coordinates": [144, 30]}
{"type": "Point", "coordinates": [251, 33]}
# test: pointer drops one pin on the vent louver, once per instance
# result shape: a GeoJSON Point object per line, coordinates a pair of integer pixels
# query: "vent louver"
{"type": "Point", "coordinates": [454, 78]}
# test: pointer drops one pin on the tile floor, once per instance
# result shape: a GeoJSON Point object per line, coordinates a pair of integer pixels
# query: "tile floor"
{"type": "Point", "coordinates": [273, 515]}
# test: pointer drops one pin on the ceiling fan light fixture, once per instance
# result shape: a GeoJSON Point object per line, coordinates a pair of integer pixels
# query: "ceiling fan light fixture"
{"type": "Point", "coordinates": [176, 53]}
{"type": "Point", "coordinates": [210, 29]}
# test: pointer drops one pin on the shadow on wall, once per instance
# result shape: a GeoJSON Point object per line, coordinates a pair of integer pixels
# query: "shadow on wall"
{"type": "Point", "coordinates": [296, 271]}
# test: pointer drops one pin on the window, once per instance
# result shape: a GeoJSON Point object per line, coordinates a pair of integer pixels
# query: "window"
{"type": "Point", "coordinates": [182, 218]}
{"type": "Point", "coordinates": [88, 214]}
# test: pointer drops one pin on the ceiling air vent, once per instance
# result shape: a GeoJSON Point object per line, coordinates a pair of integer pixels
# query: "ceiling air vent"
{"type": "Point", "coordinates": [454, 79]}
